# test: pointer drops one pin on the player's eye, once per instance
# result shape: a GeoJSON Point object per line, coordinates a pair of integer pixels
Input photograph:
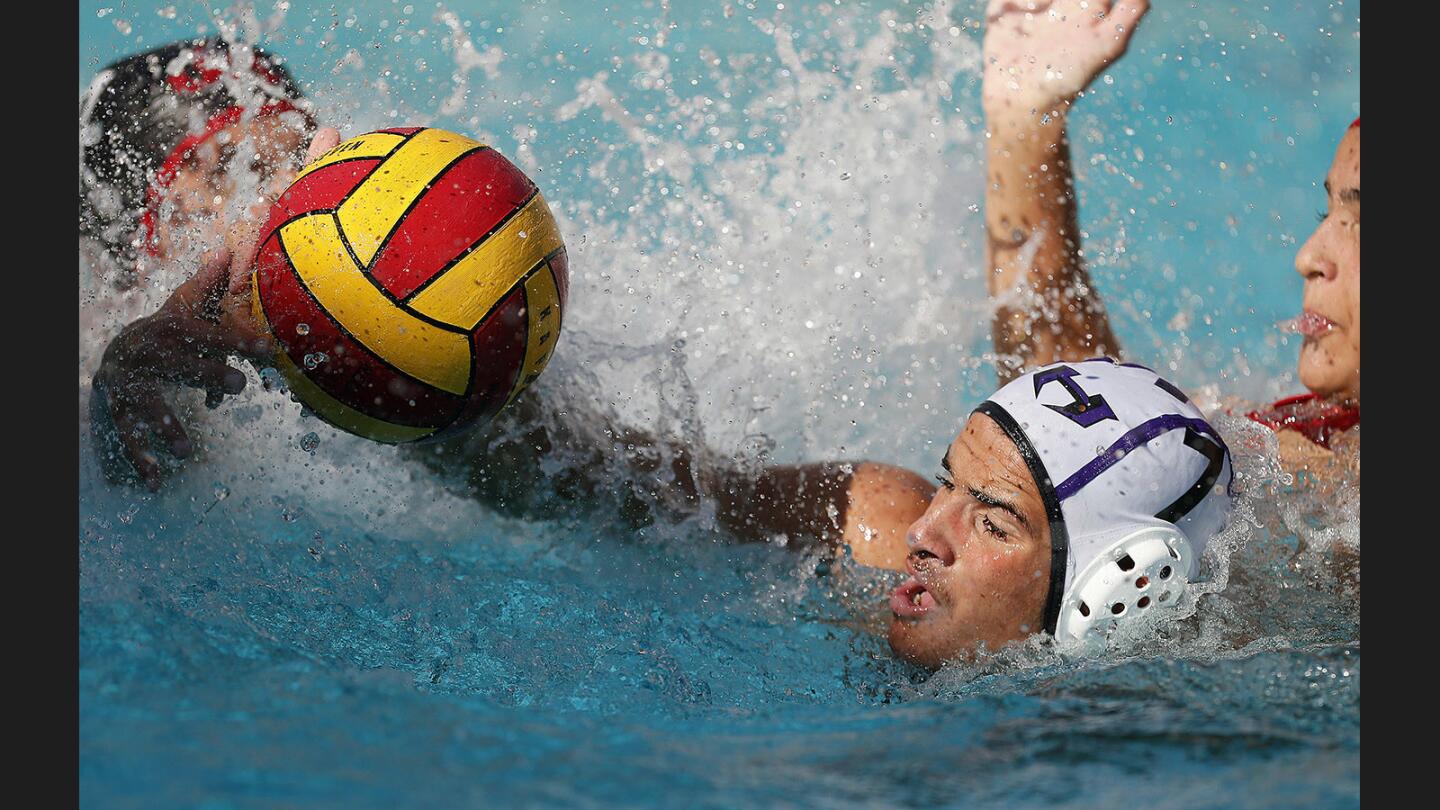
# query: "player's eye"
{"type": "Point", "coordinates": [992, 529]}
{"type": "Point", "coordinates": [945, 481]}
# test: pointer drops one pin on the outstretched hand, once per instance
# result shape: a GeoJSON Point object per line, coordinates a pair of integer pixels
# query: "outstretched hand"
{"type": "Point", "coordinates": [189, 340]}
{"type": "Point", "coordinates": [1040, 54]}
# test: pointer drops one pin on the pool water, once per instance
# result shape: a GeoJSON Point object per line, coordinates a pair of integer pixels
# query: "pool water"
{"type": "Point", "coordinates": [776, 247]}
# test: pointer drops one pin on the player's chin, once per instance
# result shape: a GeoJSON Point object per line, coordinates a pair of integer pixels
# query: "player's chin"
{"type": "Point", "coordinates": [1321, 370]}
{"type": "Point", "coordinates": [912, 640]}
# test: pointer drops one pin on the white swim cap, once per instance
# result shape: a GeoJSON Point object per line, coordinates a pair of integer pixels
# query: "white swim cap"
{"type": "Point", "coordinates": [1135, 483]}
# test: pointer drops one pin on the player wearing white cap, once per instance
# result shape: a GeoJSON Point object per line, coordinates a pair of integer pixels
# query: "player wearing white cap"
{"type": "Point", "coordinates": [1075, 501]}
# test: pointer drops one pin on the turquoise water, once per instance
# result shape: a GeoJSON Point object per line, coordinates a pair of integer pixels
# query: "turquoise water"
{"type": "Point", "coordinates": [291, 628]}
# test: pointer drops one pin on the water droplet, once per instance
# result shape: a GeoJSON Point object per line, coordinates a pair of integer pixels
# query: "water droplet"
{"type": "Point", "coordinates": [314, 359]}
{"type": "Point", "coordinates": [123, 26]}
{"type": "Point", "coordinates": [523, 234]}
{"type": "Point", "coordinates": [221, 492]}
{"type": "Point", "coordinates": [302, 328]}
{"type": "Point", "coordinates": [309, 442]}
{"type": "Point", "coordinates": [845, 175]}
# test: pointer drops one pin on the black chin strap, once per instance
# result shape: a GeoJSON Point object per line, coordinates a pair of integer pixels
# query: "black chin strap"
{"type": "Point", "coordinates": [1059, 538]}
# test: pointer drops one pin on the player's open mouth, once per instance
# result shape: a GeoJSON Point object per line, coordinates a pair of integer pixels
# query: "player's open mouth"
{"type": "Point", "coordinates": [1308, 324]}
{"type": "Point", "coordinates": [1313, 324]}
{"type": "Point", "coordinates": [911, 600]}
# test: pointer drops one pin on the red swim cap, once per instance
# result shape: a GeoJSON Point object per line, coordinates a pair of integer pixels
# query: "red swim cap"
{"type": "Point", "coordinates": [1356, 124]}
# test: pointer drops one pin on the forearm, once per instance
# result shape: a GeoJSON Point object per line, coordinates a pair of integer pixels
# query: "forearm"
{"type": "Point", "coordinates": [807, 503]}
{"type": "Point", "coordinates": [1046, 309]}
{"type": "Point", "coordinates": [537, 462]}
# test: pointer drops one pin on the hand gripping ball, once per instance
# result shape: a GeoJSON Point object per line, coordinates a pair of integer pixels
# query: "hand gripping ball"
{"type": "Point", "coordinates": [413, 281]}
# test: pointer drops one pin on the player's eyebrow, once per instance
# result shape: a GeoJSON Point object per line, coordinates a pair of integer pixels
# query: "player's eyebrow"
{"type": "Point", "coordinates": [994, 500]}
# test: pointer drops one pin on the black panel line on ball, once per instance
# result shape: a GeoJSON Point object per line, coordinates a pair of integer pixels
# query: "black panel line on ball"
{"type": "Point", "coordinates": [260, 302]}
{"type": "Point", "coordinates": [404, 139]}
{"type": "Point", "coordinates": [275, 232]}
{"type": "Point", "coordinates": [388, 156]}
{"type": "Point", "coordinates": [420, 316]}
{"type": "Point", "coordinates": [474, 246]}
{"type": "Point", "coordinates": [418, 197]}
{"type": "Point", "coordinates": [377, 158]}
{"type": "Point", "coordinates": [520, 285]}
{"type": "Point", "coordinates": [358, 342]}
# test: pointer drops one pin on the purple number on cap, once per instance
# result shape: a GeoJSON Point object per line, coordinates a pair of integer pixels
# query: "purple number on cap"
{"type": "Point", "coordinates": [1085, 410]}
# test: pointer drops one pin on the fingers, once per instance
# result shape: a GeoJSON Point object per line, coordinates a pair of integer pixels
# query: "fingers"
{"type": "Point", "coordinates": [163, 421]}
{"type": "Point", "coordinates": [999, 8]}
{"type": "Point", "coordinates": [135, 438]}
{"type": "Point", "coordinates": [188, 351]}
{"type": "Point", "coordinates": [211, 375]}
{"type": "Point", "coordinates": [250, 341]}
{"type": "Point", "coordinates": [1124, 16]}
{"type": "Point", "coordinates": [139, 416]}
{"type": "Point", "coordinates": [246, 337]}
{"type": "Point", "coordinates": [326, 138]}
{"type": "Point", "coordinates": [192, 337]}
{"type": "Point", "coordinates": [1117, 27]}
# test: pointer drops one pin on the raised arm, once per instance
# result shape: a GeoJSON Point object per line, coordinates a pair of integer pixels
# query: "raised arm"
{"type": "Point", "coordinates": [1038, 57]}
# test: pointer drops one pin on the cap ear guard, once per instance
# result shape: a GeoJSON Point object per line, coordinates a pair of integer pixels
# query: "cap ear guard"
{"type": "Point", "coordinates": [1126, 587]}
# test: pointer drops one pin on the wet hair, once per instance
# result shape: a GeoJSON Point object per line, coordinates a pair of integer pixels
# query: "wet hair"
{"type": "Point", "coordinates": [141, 109]}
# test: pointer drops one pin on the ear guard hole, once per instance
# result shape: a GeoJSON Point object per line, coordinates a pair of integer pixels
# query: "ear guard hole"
{"type": "Point", "coordinates": [1141, 582]}
{"type": "Point", "coordinates": [1165, 572]}
{"type": "Point", "coordinates": [1084, 609]}
{"type": "Point", "coordinates": [1117, 608]}
{"type": "Point", "coordinates": [1126, 563]}
{"type": "Point", "coordinates": [1143, 603]}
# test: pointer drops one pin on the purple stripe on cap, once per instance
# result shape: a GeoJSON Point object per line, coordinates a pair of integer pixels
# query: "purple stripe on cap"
{"type": "Point", "coordinates": [1135, 437]}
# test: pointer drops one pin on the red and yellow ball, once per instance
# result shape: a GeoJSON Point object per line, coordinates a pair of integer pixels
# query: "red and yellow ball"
{"type": "Point", "coordinates": [414, 282]}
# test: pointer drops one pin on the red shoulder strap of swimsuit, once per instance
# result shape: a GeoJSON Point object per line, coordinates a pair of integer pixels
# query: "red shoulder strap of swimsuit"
{"type": "Point", "coordinates": [1306, 415]}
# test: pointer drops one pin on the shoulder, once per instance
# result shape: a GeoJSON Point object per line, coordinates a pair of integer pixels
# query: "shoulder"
{"type": "Point", "coordinates": [882, 503]}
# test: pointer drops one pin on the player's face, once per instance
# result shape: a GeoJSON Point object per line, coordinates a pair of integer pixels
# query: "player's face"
{"type": "Point", "coordinates": [1330, 263]}
{"type": "Point", "coordinates": [221, 193]}
{"type": "Point", "coordinates": [979, 557]}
